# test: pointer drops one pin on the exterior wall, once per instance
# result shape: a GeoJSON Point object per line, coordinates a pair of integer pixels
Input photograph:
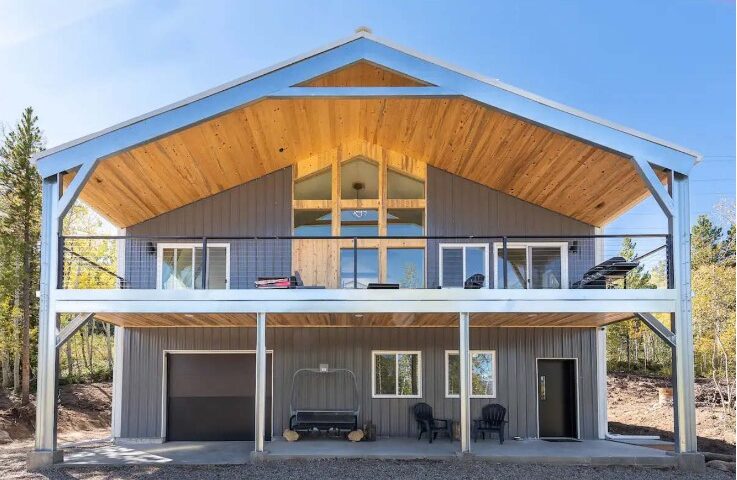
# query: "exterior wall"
{"type": "Point", "coordinates": [260, 207]}
{"type": "Point", "coordinates": [457, 206]}
{"type": "Point", "coordinates": [517, 350]}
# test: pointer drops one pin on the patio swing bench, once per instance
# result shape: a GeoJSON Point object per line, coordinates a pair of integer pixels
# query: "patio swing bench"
{"type": "Point", "coordinates": [305, 416]}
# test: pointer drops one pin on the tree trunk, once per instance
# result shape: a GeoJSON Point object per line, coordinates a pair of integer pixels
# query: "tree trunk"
{"type": "Point", "coordinates": [6, 369]}
{"type": "Point", "coordinates": [70, 360]}
{"type": "Point", "coordinates": [109, 345]}
{"type": "Point", "coordinates": [26, 312]}
{"type": "Point", "coordinates": [16, 356]}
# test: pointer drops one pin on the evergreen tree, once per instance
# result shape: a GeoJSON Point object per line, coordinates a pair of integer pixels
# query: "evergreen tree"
{"type": "Point", "coordinates": [705, 238]}
{"type": "Point", "coordinates": [19, 224]}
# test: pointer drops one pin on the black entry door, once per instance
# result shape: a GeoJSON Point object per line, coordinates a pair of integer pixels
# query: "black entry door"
{"type": "Point", "coordinates": [556, 398]}
{"type": "Point", "coordinates": [211, 397]}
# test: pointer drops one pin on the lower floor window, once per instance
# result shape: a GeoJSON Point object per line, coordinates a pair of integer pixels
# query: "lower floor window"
{"type": "Point", "coordinates": [483, 374]}
{"type": "Point", "coordinates": [396, 374]}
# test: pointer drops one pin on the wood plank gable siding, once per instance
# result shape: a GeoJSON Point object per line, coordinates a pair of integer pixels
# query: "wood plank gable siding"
{"type": "Point", "coordinates": [259, 207]}
{"type": "Point", "coordinates": [457, 206]}
{"type": "Point", "coordinates": [517, 350]}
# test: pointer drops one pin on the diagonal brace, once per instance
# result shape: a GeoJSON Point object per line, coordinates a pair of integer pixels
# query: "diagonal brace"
{"type": "Point", "coordinates": [72, 327]}
{"type": "Point", "coordinates": [658, 328]}
{"type": "Point", "coordinates": [72, 192]}
{"type": "Point", "coordinates": [655, 186]}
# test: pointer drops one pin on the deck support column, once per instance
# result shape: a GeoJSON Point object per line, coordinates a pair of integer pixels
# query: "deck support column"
{"type": "Point", "coordinates": [464, 356]}
{"type": "Point", "coordinates": [601, 383]}
{"type": "Point", "coordinates": [683, 366]}
{"type": "Point", "coordinates": [45, 452]}
{"type": "Point", "coordinates": [260, 382]}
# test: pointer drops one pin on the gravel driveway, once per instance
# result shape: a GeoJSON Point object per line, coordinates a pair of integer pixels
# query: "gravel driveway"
{"type": "Point", "coordinates": [12, 466]}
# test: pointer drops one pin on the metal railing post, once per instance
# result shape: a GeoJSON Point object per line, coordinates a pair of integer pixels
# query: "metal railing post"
{"type": "Point", "coordinates": [504, 261]}
{"type": "Point", "coordinates": [355, 262]}
{"type": "Point", "coordinates": [204, 263]}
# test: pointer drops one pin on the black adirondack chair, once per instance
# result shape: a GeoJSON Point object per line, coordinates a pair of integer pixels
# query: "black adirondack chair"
{"type": "Point", "coordinates": [492, 420]}
{"type": "Point", "coordinates": [427, 423]}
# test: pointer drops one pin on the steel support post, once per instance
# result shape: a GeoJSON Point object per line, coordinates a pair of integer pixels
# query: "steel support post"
{"type": "Point", "coordinates": [260, 381]}
{"type": "Point", "coordinates": [683, 398]}
{"type": "Point", "coordinates": [45, 449]}
{"type": "Point", "coordinates": [464, 356]}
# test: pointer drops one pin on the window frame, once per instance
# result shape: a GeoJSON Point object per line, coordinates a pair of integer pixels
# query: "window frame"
{"type": "Point", "coordinates": [463, 246]}
{"type": "Point", "coordinates": [494, 369]}
{"type": "Point", "coordinates": [497, 246]}
{"type": "Point", "coordinates": [183, 245]}
{"type": "Point", "coordinates": [374, 353]}
{"type": "Point", "coordinates": [424, 264]}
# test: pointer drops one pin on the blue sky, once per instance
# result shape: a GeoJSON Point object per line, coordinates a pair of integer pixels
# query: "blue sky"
{"type": "Point", "coordinates": [663, 67]}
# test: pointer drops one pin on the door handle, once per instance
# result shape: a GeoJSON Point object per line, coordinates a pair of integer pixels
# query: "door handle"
{"type": "Point", "coordinates": [541, 389]}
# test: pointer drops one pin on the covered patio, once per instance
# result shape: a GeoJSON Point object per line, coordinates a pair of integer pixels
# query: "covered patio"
{"type": "Point", "coordinates": [586, 452]}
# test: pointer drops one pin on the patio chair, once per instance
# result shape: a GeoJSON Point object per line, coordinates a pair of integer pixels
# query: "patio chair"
{"type": "Point", "coordinates": [427, 423]}
{"type": "Point", "coordinates": [475, 281]}
{"type": "Point", "coordinates": [492, 420]}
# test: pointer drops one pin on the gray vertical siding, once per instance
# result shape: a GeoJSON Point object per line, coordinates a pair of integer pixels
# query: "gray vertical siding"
{"type": "Point", "coordinates": [517, 350]}
{"type": "Point", "coordinates": [261, 207]}
{"type": "Point", "coordinates": [457, 206]}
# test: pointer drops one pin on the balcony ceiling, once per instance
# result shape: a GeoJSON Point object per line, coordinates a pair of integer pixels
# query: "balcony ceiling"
{"type": "Point", "coordinates": [503, 152]}
{"type": "Point", "coordinates": [140, 320]}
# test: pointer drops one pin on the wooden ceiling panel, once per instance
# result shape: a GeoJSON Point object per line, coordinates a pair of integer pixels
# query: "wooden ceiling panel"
{"type": "Point", "coordinates": [459, 136]}
{"type": "Point", "coordinates": [363, 74]}
{"type": "Point", "coordinates": [152, 320]}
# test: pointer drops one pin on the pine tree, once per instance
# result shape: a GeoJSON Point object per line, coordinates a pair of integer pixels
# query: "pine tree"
{"type": "Point", "coordinates": [19, 224]}
{"type": "Point", "coordinates": [705, 238]}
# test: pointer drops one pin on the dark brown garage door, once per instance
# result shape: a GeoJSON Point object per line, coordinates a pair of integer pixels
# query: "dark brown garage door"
{"type": "Point", "coordinates": [210, 397]}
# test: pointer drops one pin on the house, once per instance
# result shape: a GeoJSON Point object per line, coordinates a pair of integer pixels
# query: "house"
{"type": "Point", "coordinates": [472, 210]}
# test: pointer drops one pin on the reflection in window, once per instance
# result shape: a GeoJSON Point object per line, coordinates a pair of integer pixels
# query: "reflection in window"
{"type": "Point", "coordinates": [396, 374]}
{"type": "Point", "coordinates": [359, 223]}
{"type": "Point", "coordinates": [405, 222]}
{"type": "Point", "coordinates": [314, 187]}
{"type": "Point", "coordinates": [516, 267]}
{"type": "Point", "coordinates": [403, 186]}
{"type": "Point", "coordinates": [312, 223]}
{"type": "Point", "coordinates": [181, 267]}
{"type": "Point", "coordinates": [359, 180]}
{"type": "Point", "coordinates": [545, 267]}
{"type": "Point", "coordinates": [483, 370]}
{"type": "Point", "coordinates": [367, 271]}
{"type": "Point", "coordinates": [406, 266]}
{"type": "Point", "coordinates": [458, 262]}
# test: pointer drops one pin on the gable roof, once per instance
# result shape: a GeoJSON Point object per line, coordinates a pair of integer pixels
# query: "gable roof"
{"type": "Point", "coordinates": [672, 156]}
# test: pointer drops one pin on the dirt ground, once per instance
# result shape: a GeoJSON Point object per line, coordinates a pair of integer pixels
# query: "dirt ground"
{"type": "Point", "coordinates": [634, 409]}
{"type": "Point", "coordinates": [84, 413]}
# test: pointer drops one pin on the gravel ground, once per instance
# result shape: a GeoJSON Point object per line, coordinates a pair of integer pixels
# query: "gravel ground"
{"type": "Point", "coordinates": [12, 466]}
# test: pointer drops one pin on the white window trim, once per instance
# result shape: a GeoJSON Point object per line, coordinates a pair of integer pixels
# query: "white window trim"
{"type": "Point", "coordinates": [463, 246]}
{"type": "Point", "coordinates": [160, 257]}
{"type": "Point", "coordinates": [374, 353]}
{"type": "Point", "coordinates": [448, 353]}
{"type": "Point", "coordinates": [497, 246]}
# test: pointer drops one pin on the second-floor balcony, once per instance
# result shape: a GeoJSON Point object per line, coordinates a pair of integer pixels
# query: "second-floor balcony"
{"type": "Point", "coordinates": [374, 262]}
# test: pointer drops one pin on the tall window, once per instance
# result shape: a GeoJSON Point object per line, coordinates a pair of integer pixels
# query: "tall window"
{"type": "Point", "coordinates": [483, 374]}
{"type": "Point", "coordinates": [396, 374]}
{"type": "Point", "coordinates": [180, 266]}
{"type": "Point", "coordinates": [532, 265]}
{"type": "Point", "coordinates": [460, 261]}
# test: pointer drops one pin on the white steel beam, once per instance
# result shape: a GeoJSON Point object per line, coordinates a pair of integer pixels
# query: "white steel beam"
{"type": "Point", "coordinates": [653, 184]}
{"type": "Point", "coordinates": [684, 402]}
{"type": "Point", "coordinates": [363, 92]}
{"type": "Point", "coordinates": [45, 448]}
{"type": "Point", "coordinates": [260, 402]}
{"type": "Point", "coordinates": [72, 327]}
{"type": "Point", "coordinates": [464, 356]}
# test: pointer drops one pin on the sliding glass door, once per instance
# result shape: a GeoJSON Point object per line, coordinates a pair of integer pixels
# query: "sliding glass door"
{"type": "Point", "coordinates": [534, 265]}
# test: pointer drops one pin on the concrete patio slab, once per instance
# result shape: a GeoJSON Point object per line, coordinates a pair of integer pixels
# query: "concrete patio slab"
{"type": "Point", "coordinates": [587, 452]}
